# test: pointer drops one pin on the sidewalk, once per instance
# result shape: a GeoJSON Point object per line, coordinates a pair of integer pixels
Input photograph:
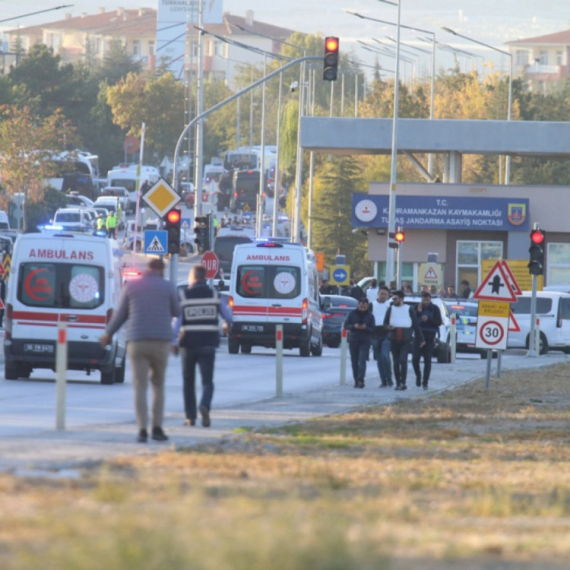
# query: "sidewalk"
{"type": "Point", "coordinates": [60, 451]}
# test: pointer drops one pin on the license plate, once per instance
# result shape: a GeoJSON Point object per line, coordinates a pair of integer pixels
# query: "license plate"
{"type": "Point", "coordinates": [252, 328]}
{"type": "Point", "coordinates": [39, 348]}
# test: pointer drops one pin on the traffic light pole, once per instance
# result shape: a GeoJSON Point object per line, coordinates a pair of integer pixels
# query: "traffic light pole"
{"type": "Point", "coordinates": [532, 348]}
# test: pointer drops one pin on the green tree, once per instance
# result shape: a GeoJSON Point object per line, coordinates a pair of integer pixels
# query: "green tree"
{"type": "Point", "coordinates": [26, 144]}
{"type": "Point", "coordinates": [117, 64]}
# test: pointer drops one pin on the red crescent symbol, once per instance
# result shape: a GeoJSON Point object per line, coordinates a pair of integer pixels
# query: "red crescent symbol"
{"type": "Point", "coordinates": [28, 283]}
{"type": "Point", "coordinates": [243, 282]}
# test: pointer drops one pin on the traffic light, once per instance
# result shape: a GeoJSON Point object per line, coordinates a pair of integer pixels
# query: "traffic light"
{"type": "Point", "coordinates": [172, 224]}
{"type": "Point", "coordinates": [202, 232]}
{"type": "Point", "coordinates": [331, 59]}
{"type": "Point", "coordinates": [398, 237]}
{"type": "Point", "coordinates": [536, 250]}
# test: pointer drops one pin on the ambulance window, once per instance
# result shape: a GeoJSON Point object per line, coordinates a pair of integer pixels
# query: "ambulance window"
{"type": "Point", "coordinates": [61, 285]}
{"type": "Point", "coordinates": [251, 281]}
{"type": "Point", "coordinates": [286, 283]}
{"type": "Point", "coordinates": [37, 284]}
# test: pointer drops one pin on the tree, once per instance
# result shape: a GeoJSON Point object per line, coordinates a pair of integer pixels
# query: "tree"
{"type": "Point", "coordinates": [26, 145]}
{"type": "Point", "coordinates": [117, 64]}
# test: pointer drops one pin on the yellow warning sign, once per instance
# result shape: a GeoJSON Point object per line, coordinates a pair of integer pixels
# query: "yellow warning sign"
{"type": "Point", "coordinates": [430, 274]}
{"type": "Point", "coordinates": [161, 198]}
{"type": "Point", "coordinates": [246, 208]}
{"type": "Point", "coordinates": [6, 266]}
{"type": "Point", "coordinates": [494, 309]}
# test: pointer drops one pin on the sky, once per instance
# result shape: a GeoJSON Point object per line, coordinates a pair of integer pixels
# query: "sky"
{"type": "Point", "coordinates": [489, 21]}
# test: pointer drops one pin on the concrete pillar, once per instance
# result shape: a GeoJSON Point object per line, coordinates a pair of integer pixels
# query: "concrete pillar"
{"type": "Point", "coordinates": [452, 163]}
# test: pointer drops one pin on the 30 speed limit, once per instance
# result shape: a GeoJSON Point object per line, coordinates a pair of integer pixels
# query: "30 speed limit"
{"type": "Point", "coordinates": [491, 333]}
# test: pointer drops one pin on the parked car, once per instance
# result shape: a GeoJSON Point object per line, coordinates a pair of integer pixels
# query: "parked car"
{"type": "Point", "coordinates": [466, 326]}
{"type": "Point", "coordinates": [123, 195]}
{"type": "Point", "coordinates": [73, 219]}
{"type": "Point", "coordinates": [77, 200]}
{"type": "Point", "coordinates": [442, 349]}
{"type": "Point", "coordinates": [334, 310]}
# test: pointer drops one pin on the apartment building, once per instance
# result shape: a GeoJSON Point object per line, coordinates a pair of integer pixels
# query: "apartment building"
{"type": "Point", "coordinates": [542, 60]}
{"type": "Point", "coordinates": [89, 36]}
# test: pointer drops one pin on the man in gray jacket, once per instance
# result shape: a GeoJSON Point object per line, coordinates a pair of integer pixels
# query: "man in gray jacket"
{"type": "Point", "coordinates": [148, 306]}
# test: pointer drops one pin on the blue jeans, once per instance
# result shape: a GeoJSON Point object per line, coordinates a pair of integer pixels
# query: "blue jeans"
{"type": "Point", "coordinates": [358, 356]}
{"type": "Point", "coordinates": [381, 347]}
{"type": "Point", "coordinates": [204, 357]}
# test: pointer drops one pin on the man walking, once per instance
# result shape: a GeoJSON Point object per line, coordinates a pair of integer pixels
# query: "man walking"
{"type": "Point", "coordinates": [401, 323]}
{"type": "Point", "coordinates": [429, 318]}
{"type": "Point", "coordinates": [111, 225]}
{"type": "Point", "coordinates": [380, 341]}
{"type": "Point", "coordinates": [197, 334]}
{"type": "Point", "coordinates": [360, 324]}
{"type": "Point", "coordinates": [147, 305]}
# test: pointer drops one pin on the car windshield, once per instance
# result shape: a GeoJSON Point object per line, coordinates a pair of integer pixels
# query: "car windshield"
{"type": "Point", "coordinates": [68, 217]}
{"type": "Point", "coordinates": [462, 310]}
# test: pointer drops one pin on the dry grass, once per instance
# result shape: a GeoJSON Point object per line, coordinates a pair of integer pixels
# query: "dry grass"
{"type": "Point", "coordinates": [464, 479]}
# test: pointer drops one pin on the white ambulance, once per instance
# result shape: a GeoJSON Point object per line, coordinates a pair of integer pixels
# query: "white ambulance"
{"type": "Point", "coordinates": [63, 277]}
{"type": "Point", "coordinates": [274, 283]}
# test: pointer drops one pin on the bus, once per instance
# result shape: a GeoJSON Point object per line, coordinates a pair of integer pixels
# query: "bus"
{"type": "Point", "coordinates": [249, 158]}
{"type": "Point", "coordinates": [76, 171]}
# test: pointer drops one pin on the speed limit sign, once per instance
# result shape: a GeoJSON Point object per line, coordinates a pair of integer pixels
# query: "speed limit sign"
{"type": "Point", "coordinates": [492, 325]}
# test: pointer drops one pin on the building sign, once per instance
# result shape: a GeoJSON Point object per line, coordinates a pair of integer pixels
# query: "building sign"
{"type": "Point", "coordinates": [442, 213]}
{"type": "Point", "coordinates": [173, 19]}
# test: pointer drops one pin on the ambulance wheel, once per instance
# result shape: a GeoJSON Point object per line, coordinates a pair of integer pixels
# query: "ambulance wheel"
{"type": "Point", "coordinates": [246, 348]}
{"type": "Point", "coordinates": [305, 347]}
{"type": "Point", "coordinates": [108, 376]}
{"type": "Point", "coordinates": [11, 371]}
{"type": "Point", "coordinates": [233, 345]}
{"type": "Point", "coordinates": [317, 349]}
{"type": "Point", "coordinates": [120, 373]}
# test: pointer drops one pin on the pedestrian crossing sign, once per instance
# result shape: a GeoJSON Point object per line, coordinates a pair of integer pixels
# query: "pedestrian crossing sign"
{"type": "Point", "coordinates": [155, 241]}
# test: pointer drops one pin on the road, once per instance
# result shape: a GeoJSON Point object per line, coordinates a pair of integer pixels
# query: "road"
{"type": "Point", "coordinates": [100, 419]}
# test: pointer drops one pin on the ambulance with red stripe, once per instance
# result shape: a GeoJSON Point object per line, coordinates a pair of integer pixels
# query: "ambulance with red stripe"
{"type": "Point", "coordinates": [274, 284]}
{"type": "Point", "coordinates": [69, 278]}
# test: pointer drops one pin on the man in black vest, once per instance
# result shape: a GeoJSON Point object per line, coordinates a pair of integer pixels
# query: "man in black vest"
{"type": "Point", "coordinates": [197, 335]}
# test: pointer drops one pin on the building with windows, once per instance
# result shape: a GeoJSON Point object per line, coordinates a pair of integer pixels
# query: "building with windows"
{"type": "Point", "coordinates": [542, 60]}
{"type": "Point", "coordinates": [88, 37]}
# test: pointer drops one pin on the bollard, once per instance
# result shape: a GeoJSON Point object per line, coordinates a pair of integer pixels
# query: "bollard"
{"type": "Point", "coordinates": [61, 374]}
{"type": "Point", "coordinates": [279, 361]}
{"type": "Point", "coordinates": [343, 347]}
{"type": "Point", "coordinates": [453, 338]}
{"type": "Point", "coordinates": [537, 336]}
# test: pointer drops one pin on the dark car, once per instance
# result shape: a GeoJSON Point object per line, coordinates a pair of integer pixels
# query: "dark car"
{"type": "Point", "coordinates": [334, 310]}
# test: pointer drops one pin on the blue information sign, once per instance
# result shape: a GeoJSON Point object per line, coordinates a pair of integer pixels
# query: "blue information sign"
{"type": "Point", "coordinates": [156, 241]}
{"type": "Point", "coordinates": [246, 217]}
{"type": "Point", "coordinates": [442, 212]}
{"type": "Point", "coordinates": [185, 223]}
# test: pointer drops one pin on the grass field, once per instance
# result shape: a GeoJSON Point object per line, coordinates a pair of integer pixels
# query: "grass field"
{"type": "Point", "coordinates": [463, 479]}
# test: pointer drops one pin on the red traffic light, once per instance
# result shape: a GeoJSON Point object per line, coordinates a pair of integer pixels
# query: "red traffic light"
{"type": "Point", "coordinates": [400, 237]}
{"type": "Point", "coordinates": [174, 216]}
{"type": "Point", "coordinates": [331, 44]}
{"type": "Point", "coordinates": [537, 236]}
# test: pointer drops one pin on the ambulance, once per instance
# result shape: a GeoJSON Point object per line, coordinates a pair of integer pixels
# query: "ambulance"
{"type": "Point", "coordinates": [67, 278]}
{"type": "Point", "coordinates": [273, 284]}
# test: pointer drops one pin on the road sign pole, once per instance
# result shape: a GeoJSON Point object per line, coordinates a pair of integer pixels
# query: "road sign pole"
{"type": "Point", "coordinates": [488, 378]}
{"type": "Point", "coordinates": [531, 338]}
{"type": "Point", "coordinates": [499, 358]}
{"type": "Point", "coordinates": [279, 361]}
{"type": "Point", "coordinates": [343, 347]}
{"type": "Point", "coordinates": [173, 267]}
{"type": "Point", "coordinates": [537, 336]}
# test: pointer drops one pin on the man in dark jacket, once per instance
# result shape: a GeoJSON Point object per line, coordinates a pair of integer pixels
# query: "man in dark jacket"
{"type": "Point", "coordinates": [429, 318]}
{"type": "Point", "coordinates": [197, 334]}
{"type": "Point", "coordinates": [360, 324]}
{"type": "Point", "coordinates": [402, 325]}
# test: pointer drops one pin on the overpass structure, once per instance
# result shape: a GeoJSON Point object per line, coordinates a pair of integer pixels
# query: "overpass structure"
{"type": "Point", "coordinates": [450, 137]}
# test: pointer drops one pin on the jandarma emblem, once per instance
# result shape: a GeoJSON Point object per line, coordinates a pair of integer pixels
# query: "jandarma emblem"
{"type": "Point", "coordinates": [516, 214]}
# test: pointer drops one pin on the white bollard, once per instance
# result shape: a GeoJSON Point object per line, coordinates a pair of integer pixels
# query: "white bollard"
{"type": "Point", "coordinates": [61, 374]}
{"type": "Point", "coordinates": [537, 336]}
{"type": "Point", "coordinates": [453, 338]}
{"type": "Point", "coordinates": [343, 350]}
{"type": "Point", "coordinates": [279, 361]}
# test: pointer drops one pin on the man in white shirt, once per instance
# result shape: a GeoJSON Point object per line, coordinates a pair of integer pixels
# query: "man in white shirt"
{"type": "Point", "coordinates": [380, 341]}
{"type": "Point", "coordinates": [402, 324]}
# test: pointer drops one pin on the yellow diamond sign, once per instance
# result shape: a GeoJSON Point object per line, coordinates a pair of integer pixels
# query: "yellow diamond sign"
{"type": "Point", "coordinates": [161, 198]}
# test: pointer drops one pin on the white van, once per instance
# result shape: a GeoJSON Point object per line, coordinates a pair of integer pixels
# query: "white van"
{"type": "Point", "coordinates": [553, 310]}
{"type": "Point", "coordinates": [274, 283]}
{"type": "Point", "coordinates": [63, 277]}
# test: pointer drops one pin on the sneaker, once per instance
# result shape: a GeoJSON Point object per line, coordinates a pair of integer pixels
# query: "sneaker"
{"type": "Point", "coordinates": [418, 381]}
{"type": "Point", "coordinates": [143, 436]}
{"type": "Point", "coordinates": [390, 383]}
{"type": "Point", "coordinates": [383, 386]}
{"type": "Point", "coordinates": [158, 434]}
{"type": "Point", "coordinates": [205, 413]}
{"type": "Point", "coordinates": [190, 422]}
{"type": "Point", "coordinates": [425, 386]}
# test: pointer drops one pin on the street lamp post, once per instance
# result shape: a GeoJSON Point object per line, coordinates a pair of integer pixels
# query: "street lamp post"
{"type": "Point", "coordinates": [510, 97]}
